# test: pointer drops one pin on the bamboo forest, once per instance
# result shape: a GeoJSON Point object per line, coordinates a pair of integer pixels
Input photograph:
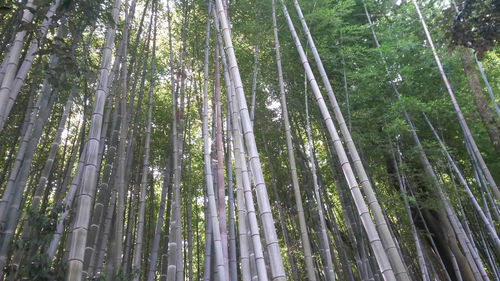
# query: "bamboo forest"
{"type": "Point", "coordinates": [249, 140]}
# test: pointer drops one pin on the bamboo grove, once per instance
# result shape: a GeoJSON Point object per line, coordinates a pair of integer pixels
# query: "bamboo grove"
{"type": "Point", "coordinates": [249, 140]}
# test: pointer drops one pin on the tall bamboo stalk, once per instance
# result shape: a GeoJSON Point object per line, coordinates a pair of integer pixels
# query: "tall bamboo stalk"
{"type": "Point", "coordinates": [488, 86]}
{"type": "Point", "coordinates": [489, 227]}
{"type": "Point", "coordinates": [240, 197]}
{"type": "Point", "coordinates": [136, 263]}
{"type": "Point", "coordinates": [330, 274]}
{"type": "Point", "coordinates": [306, 246]}
{"type": "Point", "coordinates": [11, 60]}
{"type": "Point", "coordinates": [28, 60]}
{"type": "Point", "coordinates": [218, 261]}
{"type": "Point", "coordinates": [380, 222]}
{"type": "Point", "coordinates": [86, 197]}
{"type": "Point", "coordinates": [418, 245]}
{"type": "Point", "coordinates": [277, 268]}
{"type": "Point", "coordinates": [461, 120]}
{"type": "Point", "coordinates": [220, 162]}
{"type": "Point", "coordinates": [373, 236]}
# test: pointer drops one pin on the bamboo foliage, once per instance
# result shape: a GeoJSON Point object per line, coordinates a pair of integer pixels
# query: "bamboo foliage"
{"type": "Point", "coordinates": [108, 173]}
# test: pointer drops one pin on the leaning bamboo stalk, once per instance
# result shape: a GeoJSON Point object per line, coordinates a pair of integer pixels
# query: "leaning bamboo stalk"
{"type": "Point", "coordinates": [472, 258]}
{"type": "Point", "coordinates": [37, 196]}
{"type": "Point", "coordinates": [380, 222]}
{"type": "Point", "coordinates": [491, 230]}
{"type": "Point", "coordinates": [11, 61]}
{"type": "Point", "coordinates": [306, 245]}
{"type": "Point", "coordinates": [330, 274]}
{"type": "Point", "coordinates": [374, 238]}
{"type": "Point", "coordinates": [423, 158]}
{"type": "Point", "coordinates": [458, 111]}
{"type": "Point", "coordinates": [488, 86]}
{"type": "Point", "coordinates": [276, 262]}
{"type": "Point", "coordinates": [28, 60]}
{"type": "Point", "coordinates": [254, 82]}
{"type": "Point", "coordinates": [41, 105]}
{"type": "Point", "coordinates": [418, 244]}
{"type": "Point", "coordinates": [17, 181]}
{"type": "Point", "coordinates": [68, 201]}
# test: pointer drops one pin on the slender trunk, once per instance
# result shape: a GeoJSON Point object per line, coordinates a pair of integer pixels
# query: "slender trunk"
{"type": "Point", "coordinates": [490, 122]}
{"type": "Point", "coordinates": [28, 60]}
{"type": "Point", "coordinates": [105, 191]}
{"type": "Point", "coordinates": [207, 259]}
{"type": "Point", "coordinates": [488, 87]}
{"type": "Point", "coordinates": [329, 273]}
{"type": "Point", "coordinates": [374, 238]}
{"type": "Point", "coordinates": [282, 219]}
{"type": "Point", "coordinates": [418, 245]}
{"type": "Point", "coordinates": [233, 266]}
{"type": "Point", "coordinates": [11, 61]}
{"type": "Point", "coordinates": [449, 224]}
{"type": "Point", "coordinates": [254, 82]}
{"type": "Point", "coordinates": [490, 228]}
{"type": "Point", "coordinates": [70, 194]}
{"type": "Point", "coordinates": [277, 268]}
{"type": "Point", "coordinates": [89, 180]}
{"type": "Point", "coordinates": [41, 186]}
{"type": "Point", "coordinates": [166, 235]}
{"type": "Point", "coordinates": [160, 221]}
{"type": "Point", "coordinates": [16, 185]}
{"type": "Point", "coordinates": [380, 222]}
{"type": "Point", "coordinates": [240, 197]}
{"type": "Point", "coordinates": [114, 260]}
{"type": "Point", "coordinates": [256, 254]}
{"type": "Point", "coordinates": [174, 243]}
{"type": "Point", "coordinates": [461, 120]}
{"type": "Point", "coordinates": [306, 246]}
{"type": "Point", "coordinates": [220, 163]}
{"type": "Point", "coordinates": [219, 263]}
{"type": "Point", "coordinates": [136, 263]}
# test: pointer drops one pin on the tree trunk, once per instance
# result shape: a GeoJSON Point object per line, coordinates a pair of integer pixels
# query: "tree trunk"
{"type": "Point", "coordinates": [490, 122]}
